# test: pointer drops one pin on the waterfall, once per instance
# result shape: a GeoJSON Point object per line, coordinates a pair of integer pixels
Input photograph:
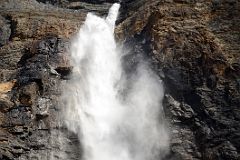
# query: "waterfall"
{"type": "Point", "coordinates": [114, 120]}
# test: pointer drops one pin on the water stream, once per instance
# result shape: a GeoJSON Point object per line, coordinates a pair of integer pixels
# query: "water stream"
{"type": "Point", "coordinates": [114, 120]}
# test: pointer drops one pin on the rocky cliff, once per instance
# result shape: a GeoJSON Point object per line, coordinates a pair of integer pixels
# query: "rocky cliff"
{"type": "Point", "coordinates": [192, 45]}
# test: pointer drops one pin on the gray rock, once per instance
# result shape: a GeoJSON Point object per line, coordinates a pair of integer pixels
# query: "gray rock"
{"type": "Point", "coordinates": [5, 31]}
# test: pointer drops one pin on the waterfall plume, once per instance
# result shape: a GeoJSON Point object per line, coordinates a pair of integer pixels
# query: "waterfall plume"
{"type": "Point", "coordinates": [114, 121]}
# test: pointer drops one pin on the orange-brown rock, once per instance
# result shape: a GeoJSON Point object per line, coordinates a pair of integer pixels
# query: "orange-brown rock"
{"type": "Point", "coordinates": [7, 86]}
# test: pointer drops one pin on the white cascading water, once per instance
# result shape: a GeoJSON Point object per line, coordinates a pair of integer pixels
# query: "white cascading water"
{"type": "Point", "coordinates": [112, 125]}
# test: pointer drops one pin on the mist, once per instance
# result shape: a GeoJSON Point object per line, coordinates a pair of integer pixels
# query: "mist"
{"type": "Point", "coordinates": [117, 115]}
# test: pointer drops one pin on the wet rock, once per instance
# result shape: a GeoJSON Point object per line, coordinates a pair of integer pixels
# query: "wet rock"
{"type": "Point", "coordinates": [64, 71]}
{"type": "Point", "coordinates": [42, 108]}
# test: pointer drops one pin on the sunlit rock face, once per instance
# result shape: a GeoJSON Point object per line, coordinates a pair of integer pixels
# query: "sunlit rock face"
{"type": "Point", "coordinates": [193, 46]}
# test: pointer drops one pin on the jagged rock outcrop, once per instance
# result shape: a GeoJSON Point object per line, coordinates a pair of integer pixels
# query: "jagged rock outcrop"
{"type": "Point", "coordinates": [34, 64]}
{"type": "Point", "coordinates": [192, 45]}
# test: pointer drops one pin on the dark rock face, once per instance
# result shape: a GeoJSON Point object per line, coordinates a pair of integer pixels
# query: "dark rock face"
{"type": "Point", "coordinates": [34, 63]}
{"type": "Point", "coordinates": [193, 46]}
{"type": "Point", "coordinates": [30, 116]}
